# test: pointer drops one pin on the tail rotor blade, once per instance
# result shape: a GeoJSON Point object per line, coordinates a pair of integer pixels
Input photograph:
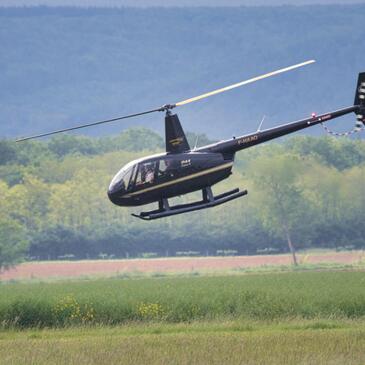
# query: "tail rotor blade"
{"type": "Point", "coordinates": [230, 87]}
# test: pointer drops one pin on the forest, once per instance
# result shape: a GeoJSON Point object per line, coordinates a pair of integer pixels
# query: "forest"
{"type": "Point", "coordinates": [54, 204]}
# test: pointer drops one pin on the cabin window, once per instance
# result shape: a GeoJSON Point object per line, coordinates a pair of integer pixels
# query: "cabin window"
{"type": "Point", "coordinates": [146, 173]}
{"type": "Point", "coordinates": [162, 167]}
{"type": "Point", "coordinates": [127, 178]}
{"type": "Point", "coordinates": [167, 169]}
{"type": "Point", "coordinates": [133, 178]}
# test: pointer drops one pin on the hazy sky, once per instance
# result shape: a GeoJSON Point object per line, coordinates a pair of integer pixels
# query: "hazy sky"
{"type": "Point", "coordinates": [146, 3]}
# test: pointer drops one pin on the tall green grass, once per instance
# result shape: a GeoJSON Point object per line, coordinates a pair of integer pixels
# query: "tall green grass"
{"type": "Point", "coordinates": [251, 297]}
{"type": "Point", "coordinates": [304, 342]}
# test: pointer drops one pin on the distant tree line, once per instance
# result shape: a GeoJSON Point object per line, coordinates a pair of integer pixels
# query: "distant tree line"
{"type": "Point", "coordinates": [305, 192]}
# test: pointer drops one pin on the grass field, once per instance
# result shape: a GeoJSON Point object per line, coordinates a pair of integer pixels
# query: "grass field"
{"type": "Point", "coordinates": [178, 299]}
{"type": "Point", "coordinates": [276, 318]}
{"type": "Point", "coordinates": [294, 342]}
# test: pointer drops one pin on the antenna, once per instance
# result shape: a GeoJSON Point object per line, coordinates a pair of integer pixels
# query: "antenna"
{"type": "Point", "coordinates": [260, 125]}
{"type": "Point", "coordinates": [196, 142]}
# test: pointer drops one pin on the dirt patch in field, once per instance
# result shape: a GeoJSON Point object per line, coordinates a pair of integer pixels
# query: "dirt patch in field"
{"type": "Point", "coordinates": [44, 270]}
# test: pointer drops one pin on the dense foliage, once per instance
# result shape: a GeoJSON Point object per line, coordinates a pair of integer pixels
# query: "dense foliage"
{"type": "Point", "coordinates": [251, 297]}
{"type": "Point", "coordinates": [53, 200]}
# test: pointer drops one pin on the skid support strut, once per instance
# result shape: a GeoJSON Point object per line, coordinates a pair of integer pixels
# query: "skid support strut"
{"type": "Point", "coordinates": [209, 201]}
{"type": "Point", "coordinates": [163, 204]}
{"type": "Point", "coordinates": [208, 194]}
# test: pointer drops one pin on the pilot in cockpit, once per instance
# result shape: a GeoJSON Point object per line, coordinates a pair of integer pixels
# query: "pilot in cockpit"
{"type": "Point", "coordinates": [149, 176]}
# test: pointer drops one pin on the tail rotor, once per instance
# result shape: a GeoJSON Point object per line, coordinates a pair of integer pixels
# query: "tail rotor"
{"type": "Point", "coordinates": [360, 101]}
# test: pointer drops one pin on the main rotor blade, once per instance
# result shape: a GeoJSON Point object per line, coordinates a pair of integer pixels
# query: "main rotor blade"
{"type": "Point", "coordinates": [88, 125]}
{"type": "Point", "coordinates": [170, 106]}
{"type": "Point", "coordinates": [230, 87]}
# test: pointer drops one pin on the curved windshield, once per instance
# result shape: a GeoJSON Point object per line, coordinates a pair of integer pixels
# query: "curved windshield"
{"type": "Point", "coordinates": [121, 179]}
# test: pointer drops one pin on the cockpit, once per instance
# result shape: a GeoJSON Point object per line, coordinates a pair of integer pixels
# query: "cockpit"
{"type": "Point", "coordinates": [151, 179]}
{"type": "Point", "coordinates": [144, 175]}
{"type": "Point", "coordinates": [134, 175]}
{"type": "Point", "coordinates": [121, 180]}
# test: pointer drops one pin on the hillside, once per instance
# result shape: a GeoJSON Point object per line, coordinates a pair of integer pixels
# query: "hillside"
{"type": "Point", "coordinates": [62, 66]}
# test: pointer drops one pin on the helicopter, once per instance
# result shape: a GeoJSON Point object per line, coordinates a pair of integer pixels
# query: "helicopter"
{"type": "Point", "coordinates": [182, 170]}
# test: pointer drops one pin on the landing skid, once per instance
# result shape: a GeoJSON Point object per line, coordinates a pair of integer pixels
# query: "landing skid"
{"type": "Point", "coordinates": [209, 200]}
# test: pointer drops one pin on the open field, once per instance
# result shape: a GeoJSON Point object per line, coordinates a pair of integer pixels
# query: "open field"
{"type": "Point", "coordinates": [336, 295]}
{"type": "Point", "coordinates": [293, 342]}
{"type": "Point", "coordinates": [263, 318]}
{"type": "Point", "coordinates": [62, 269]}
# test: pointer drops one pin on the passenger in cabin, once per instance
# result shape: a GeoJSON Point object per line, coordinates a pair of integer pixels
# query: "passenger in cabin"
{"type": "Point", "coordinates": [150, 175]}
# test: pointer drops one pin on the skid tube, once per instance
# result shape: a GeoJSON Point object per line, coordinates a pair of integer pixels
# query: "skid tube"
{"type": "Point", "coordinates": [209, 201]}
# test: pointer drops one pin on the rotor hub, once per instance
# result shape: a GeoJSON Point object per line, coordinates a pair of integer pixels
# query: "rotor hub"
{"type": "Point", "coordinates": [167, 107]}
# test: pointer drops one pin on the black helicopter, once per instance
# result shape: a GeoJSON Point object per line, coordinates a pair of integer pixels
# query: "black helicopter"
{"type": "Point", "coordinates": [181, 170]}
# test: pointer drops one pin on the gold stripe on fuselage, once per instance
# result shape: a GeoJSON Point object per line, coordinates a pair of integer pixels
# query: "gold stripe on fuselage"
{"type": "Point", "coordinates": [189, 177]}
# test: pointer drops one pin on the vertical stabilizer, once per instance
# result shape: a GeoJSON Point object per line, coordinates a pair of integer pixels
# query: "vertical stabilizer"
{"type": "Point", "coordinates": [176, 141]}
{"type": "Point", "coordinates": [360, 98]}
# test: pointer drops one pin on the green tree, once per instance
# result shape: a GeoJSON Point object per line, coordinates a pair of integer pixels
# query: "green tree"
{"type": "Point", "coordinates": [7, 152]}
{"type": "Point", "coordinates": [281, 204]}
{"type": "Point", "coordinates": [133, 139]}
{"type": "Point", "coordinates": [64, 144]}
{"type": "Point", "coordinates": [13, 243]}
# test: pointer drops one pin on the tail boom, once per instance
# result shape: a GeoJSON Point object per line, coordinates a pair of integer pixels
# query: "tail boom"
{"type": "Point", "coordinates": [236, 144]}
{"type": "Point", "coordinates": [249, 140]}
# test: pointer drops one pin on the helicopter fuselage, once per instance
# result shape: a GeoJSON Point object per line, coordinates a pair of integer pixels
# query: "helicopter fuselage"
{"type": "Point", "coordinates": [168, 175]}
